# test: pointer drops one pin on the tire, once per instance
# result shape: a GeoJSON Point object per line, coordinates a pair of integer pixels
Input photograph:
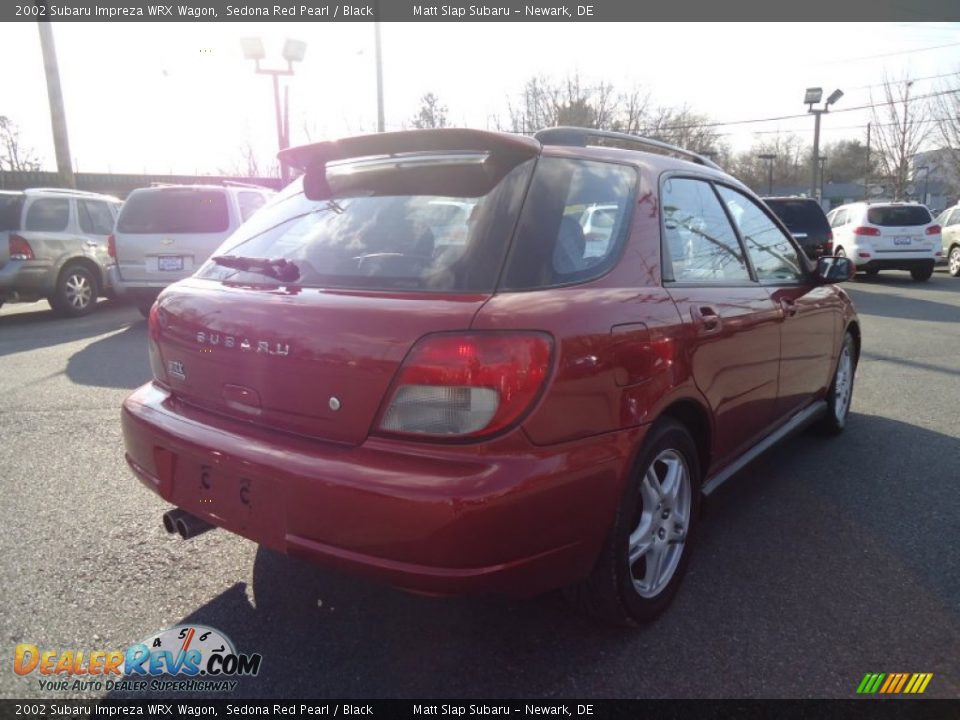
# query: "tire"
{"type": "Point", "coordinates": [626, 594]}
{"type": "Point", "coordinates": [839, 252]}
{"type": "Point", "coordinates": [841, 389]}
{"type": "Point", "coordinates": [872, 272]}
{"type": "Point", "coordinates": [76, 292]}
{"type": "Point", "coordinates": [922, 274]}
{"type": "Point", "coordinates": [953, 261]}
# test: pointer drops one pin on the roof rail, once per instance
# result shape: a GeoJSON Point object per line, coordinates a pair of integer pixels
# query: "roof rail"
{"type": "Point", "coordinates": [67, 191]}
{"type": "Point", "coordinates": [237, 183]}
{"type": "Point", "coordinates": [581, 137]}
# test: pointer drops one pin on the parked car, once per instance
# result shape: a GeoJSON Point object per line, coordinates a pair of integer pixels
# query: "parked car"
{"type": "Point", "coordinates": [949, 222]}
{"type": "Point", "coordinates": [887, 236]}
{"type": "Point", "coordinates": [166, 232]}
{"type": "Point", "coordinates": [806, 221]}
{"type": "Point", "coordinates": [53, 245]}
{"type": "Point", "coordinates": [519, 417]}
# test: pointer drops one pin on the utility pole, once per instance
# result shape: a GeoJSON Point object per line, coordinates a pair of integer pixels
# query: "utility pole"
{"type": "Point", "coordinates": [811, 98]}
{"type": "Point", "coordinates": [866, 170]}
{"type": "Point", "coordinates": [58, 116]}
{"type": "Point", "coordinates": [381, 125]}
{"type": "Point", "coordinates": [769, 157]}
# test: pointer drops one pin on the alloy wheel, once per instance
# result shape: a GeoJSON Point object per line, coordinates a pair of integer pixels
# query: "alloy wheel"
{"type": "Point", "coordinates": [843, 385]}
{"type": "Point", "coordinates": [78, 291]}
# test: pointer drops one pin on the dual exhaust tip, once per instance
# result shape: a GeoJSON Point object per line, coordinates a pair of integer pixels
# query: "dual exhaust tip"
{"type": "Point", "coordinates": [184, 524]}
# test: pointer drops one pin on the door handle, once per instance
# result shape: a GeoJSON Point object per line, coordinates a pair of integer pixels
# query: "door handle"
{"type": "Point", "coordinates": [707, 318]}
{"type": "Point", "coordinates": [789, 307]}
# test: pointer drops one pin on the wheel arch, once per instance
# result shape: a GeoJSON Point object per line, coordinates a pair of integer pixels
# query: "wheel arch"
{"type": "Point", "coordinates": [853, 327]}
{"type": "Point", "coordinates": [87, 264]}
{"type": "Point", "coordinates": [696, 419]}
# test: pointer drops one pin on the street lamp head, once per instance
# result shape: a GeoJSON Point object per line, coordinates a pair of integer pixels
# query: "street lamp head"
{"type": "Point", "coordinates": [252, 48]}
{"type": "Point", "coordinates": [294, 50]}
{"type": "Point", "coordinates": [834, 96]}
{"type": "Point", "coordinates": [812, 96]}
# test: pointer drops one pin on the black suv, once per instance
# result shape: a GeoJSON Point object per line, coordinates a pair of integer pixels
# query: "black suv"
{"type": "Point", "coordinates": [806, 221]}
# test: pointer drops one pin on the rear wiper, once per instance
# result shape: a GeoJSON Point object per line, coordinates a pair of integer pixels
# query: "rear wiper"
{"type": "Point", "coordinates": [278, 268]}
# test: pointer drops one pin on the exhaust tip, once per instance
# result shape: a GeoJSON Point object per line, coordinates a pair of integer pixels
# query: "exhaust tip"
{"type": "Point", "coordinates": [169, 524]}
{"type": "Point", "coordinates": [182, 529]}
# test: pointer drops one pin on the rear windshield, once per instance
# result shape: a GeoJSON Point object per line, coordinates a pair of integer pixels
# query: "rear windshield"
{"type": "Point", "coordinates": [174, 211]}
{"type": "Point", "coordinates": [898, 215]}
{"type": "Point", "coordinates": [10, 207]}
{"type": "Point", "coordinates": [800, 215]}
{"type": "Point", "coordinates": [443, 242]}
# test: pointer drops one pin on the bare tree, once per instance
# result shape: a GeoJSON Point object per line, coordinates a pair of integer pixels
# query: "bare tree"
{"type": "Point", "coordinates": [902, 126]}
{"type": "Point", "coordinates": [431, 114]}
{"type": "Point", "coordinates": [946, 119]}
{"type": "Point", "coordinates": [251, 164]}
{"type": "Point", "coordinates": [790, 162]}
{"type": "Point", "coordinates": [13, 154]}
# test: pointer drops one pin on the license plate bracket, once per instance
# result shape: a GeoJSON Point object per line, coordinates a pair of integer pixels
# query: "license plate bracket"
{"type": "Point", "coordinates": [902, 240]}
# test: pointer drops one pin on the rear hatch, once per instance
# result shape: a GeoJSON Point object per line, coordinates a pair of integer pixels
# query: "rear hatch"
{"type": "Point", "coordinates": [165, 233]}
{"type": "Point", "coordinates": [11, 208]}
{"type": "Point", "coordinates": [903, 230]}
{"type": "Point", "coordinates": [303, 319]}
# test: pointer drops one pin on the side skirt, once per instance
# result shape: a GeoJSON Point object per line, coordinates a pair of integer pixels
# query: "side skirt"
{"type": "Point", "coordinates": [795, 423]}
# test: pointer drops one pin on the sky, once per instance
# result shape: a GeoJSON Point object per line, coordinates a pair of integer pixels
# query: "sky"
{"type": "Point", "coordinates": [180, 98]}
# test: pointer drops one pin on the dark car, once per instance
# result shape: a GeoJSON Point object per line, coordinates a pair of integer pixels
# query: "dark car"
{"type": "Point", "coordinates": [509, 413]}
{"type": "Point", "coordinates": [806, 221]}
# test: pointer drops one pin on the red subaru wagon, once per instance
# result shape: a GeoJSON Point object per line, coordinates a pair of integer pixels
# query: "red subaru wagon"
{"type": "Point", "coordinates": [463, 361]}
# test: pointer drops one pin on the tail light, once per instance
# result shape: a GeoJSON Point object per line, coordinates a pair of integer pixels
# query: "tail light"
{"type": "Point", "coordinates": [153, 346]}
{"type": "Point", "coordinates": [19, 248]}
{"type": "Point", "coordinates": [828, 244]}
{"type": "Point", "coordinates": [112, 246]}
{"type": "Point", "coordinates": [864, 230]}
{"type": "Point", "coordinates": [466, 386]}
{"type": "Point", "coordinates": [933, 230]}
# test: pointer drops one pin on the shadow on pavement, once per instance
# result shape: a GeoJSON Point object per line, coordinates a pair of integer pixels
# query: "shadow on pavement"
{"type": "Point", "coordinates": [25, 331]}
{"type": "Point", "coordinates": [116, 361]}
{"type": "Point", "coordinates": [798, 557]}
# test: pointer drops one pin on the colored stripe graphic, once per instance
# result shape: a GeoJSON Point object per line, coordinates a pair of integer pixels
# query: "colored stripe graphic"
{"type": "Point", "coordinates": [894, 683]}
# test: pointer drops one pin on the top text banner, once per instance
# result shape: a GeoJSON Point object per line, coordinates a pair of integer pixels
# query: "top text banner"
{"type": "Point", "coordinates": [500, 11]}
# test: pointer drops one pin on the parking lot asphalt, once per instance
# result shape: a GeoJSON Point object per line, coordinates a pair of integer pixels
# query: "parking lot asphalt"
{"type": "Point", "coordinates": [824, 560]}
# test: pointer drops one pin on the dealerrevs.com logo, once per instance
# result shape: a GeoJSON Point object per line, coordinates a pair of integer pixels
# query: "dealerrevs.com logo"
{"type": "Point", "coordinates": [183, 658]}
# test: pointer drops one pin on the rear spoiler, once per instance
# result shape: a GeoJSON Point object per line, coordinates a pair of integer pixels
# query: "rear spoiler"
{"type": "Point", "coordinates": [409, 141]}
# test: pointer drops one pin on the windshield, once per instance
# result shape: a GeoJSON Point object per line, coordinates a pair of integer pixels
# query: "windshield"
{"type": "Point", "coordinates": [175, 210]}
{"type": "Point", "coordinates": [382, 242]}
{"type": "Point", "coordinates": [800, 215]}
{"type": "Point", "coordinates": [898, 215]}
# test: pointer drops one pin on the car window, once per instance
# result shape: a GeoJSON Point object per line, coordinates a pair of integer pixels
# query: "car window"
{"type": "Point", "coordinates": [800, 215]}
{"type": "Point", "coordinates": [953, 219]}
{"type": "Point", "coordinates": [898, 215]}
{"type": "Point", "coordinates": [773, 255]}
{"type": "Point", "coordinates": [551, 246]}
{"type": "Point", "coordinates": [249, 202]}
{"type": "Point", "coordinates": [10, 208]}
{"type": "Point", "coordinates": [839, 218]}
{"type": "Point", "coordinates": [699, 245]}
{"type": "Point", "coordinates": [95, 217]}
{"type": "Point", "coordinates": [175, 210]}
{"type": "Point", "coordinates": [48, 215]}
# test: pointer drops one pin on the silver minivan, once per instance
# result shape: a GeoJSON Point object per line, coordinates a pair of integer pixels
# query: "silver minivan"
{"type": "Point", "coordinates": [165, 232]}
{"type": "Point", "coordinates": [54, 245]}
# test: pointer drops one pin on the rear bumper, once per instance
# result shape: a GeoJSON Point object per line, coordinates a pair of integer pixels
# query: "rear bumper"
{"type": "Point", "coordinates": [131, 290]}
{"type": "Point", "coordinates": [896, 264]}
{"type": "Point", "coordinates": [26, 279]}
{"type": "Point", "coordinates": [508, 517]}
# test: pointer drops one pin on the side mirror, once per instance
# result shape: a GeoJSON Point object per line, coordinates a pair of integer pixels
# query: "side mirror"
{"type": "Point", "coordinates": [835, 269]}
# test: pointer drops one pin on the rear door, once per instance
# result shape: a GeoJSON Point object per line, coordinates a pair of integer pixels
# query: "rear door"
{"type": "Point", "coordinates": [733, 324]}
{"type": "Point", "coordinates": [165, 234]}
{"type": "Point", "coordinates": [48, 227]}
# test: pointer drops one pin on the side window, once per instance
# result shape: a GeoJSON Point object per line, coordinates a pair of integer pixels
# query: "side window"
{"type": "Point", "coordinates": [95, 217]}
{"type": "Point", "coordinates": [953, 219]}
{"type": "Point", "coordinates": [840, 218]}
{"type": "Point", "coordinates": [48, 215]}
{"type": "Point", "coordinates": [250, 202]}
{"type": "Point", "coordinates": [773, 255]}
{"type": "Point", "coordinates": [698, 243]}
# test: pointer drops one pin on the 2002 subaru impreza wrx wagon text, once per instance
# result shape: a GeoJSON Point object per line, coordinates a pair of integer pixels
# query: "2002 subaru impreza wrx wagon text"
{"type": "Point", "coordinates": [415, 364]}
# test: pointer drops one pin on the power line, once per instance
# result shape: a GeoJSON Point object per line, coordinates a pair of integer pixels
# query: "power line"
{"type": "Point", "coordinates": [889, 54]}
{"type": "Point", "coordinates": [920, 79]}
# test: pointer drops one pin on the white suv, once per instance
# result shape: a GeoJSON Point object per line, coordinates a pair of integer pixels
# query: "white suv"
{"type": "Point", "coordinates": [949, 221]}
{"type": "Point", "coordinates": [887, 236]}
{"type": "Point", "coordinates": [165, 232]}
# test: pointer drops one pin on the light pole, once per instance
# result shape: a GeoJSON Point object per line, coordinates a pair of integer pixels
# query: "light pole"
{"type": "Point", "coordinates": [769, 157]}
{"type": "Point", "coordinates": [379, 58]}
{"type": "Point", "coordinates": [822, 159]}
{"type": "Point", "coordinates": [293, 51]}
{"type": "Point", "coordinates": [811, 98]}
{"type": "Point", "coordinates": [58, 116]}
